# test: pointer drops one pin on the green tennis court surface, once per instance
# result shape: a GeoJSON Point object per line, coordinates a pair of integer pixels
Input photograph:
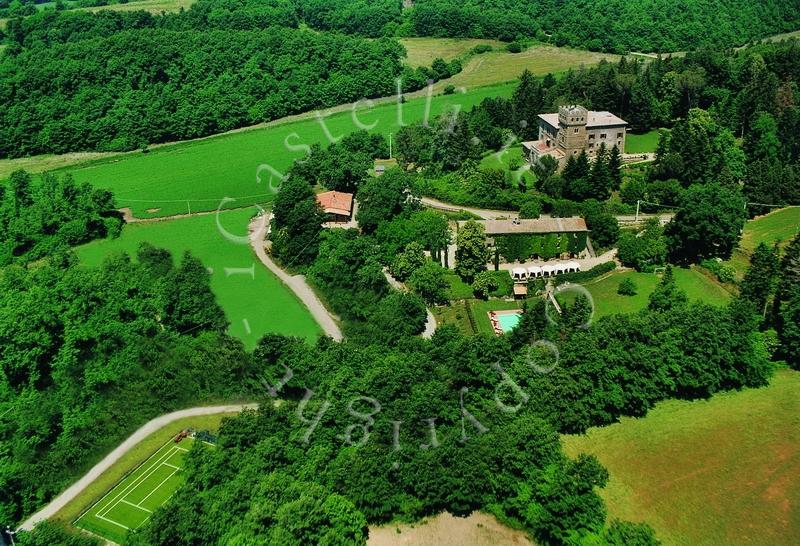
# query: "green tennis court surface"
{"type": "Point", "coordinates": [130, 503]}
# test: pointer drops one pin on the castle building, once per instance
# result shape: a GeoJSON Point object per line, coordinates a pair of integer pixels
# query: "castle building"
{"type": "Point", "coordinates": [575, 129]}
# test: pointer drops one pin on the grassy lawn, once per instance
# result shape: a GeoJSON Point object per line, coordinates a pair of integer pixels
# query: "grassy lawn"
{"type": "Point", "coordinates": [422, 51]}
{"type": "Point", "coordinates": [255, 303]}
{"type": "Point", "coordinates": [205, 171]}
{"type": "Point", "coordinates": [503, 162]}
{"type": "Point", "coordinates": [641, 144]}
{"type": "Point", "coordinates": [133, 459]}
{"type": "Point", "coordinates": [779, 226]}
{"type": "Point", "coordinates": [718, 471]}
{"type": "Point", "coordinates": [607, 302]}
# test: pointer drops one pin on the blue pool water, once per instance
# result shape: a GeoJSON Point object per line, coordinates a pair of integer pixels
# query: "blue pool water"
{"type": "Point", "coordinates": [508, 322]}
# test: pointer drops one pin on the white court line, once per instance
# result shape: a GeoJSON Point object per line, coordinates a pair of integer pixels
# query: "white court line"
{"type": "Point", "coordinates": [181, 448]}
{"type": "Point", "coordinates": [135, 483]}
{"type": "Point", "coordinates": [121, 495]}
{"type": "Point", "coordinates": [113, 522]}
{"type": "Point", "coordinates": [172, 466]}
{"type": "Point", "coordinates": [156, 488]}
{"type": "Point", "coordinates": [137, 506]}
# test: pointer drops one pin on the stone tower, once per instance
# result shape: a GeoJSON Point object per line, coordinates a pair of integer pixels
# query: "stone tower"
{"type": "Point", "coordinates": [572, 126]}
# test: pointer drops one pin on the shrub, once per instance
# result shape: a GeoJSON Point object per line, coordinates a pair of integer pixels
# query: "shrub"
{"type": "Point", "coordinates": [449, 89]}
{"type": "Point", "coordinates": [726, 273]}
{"type": "Point", "coordinates": [723, 272]}
{"type": "Point", "coordinates": [627, 288]}
{"type": "Point", "coordinates": [514, 47]}
{"type": "Point", "coordinates": [429, 282]}
{"type": "Point", "coordinates": [481, 48]}
{"type": "Point", "coordinates": [531, 208]}
{"type": "Point", "coordinates": [484, 284]}
{"type": "Point", "coordinates": [583, 276]}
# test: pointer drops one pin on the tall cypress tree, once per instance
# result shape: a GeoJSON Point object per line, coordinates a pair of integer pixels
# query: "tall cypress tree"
{"type": "Point", "coordinates": [600, 179]}
{"type": "Point", "coordinates": [527, 103]}
{"type": "Point", "coordinates": [615, 167]}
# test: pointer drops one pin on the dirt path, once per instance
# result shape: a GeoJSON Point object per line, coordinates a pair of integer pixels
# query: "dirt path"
{"type": "Point", "coordinates": [491, 214]}
{"type": "Point", "coordinates": [258, 232]}
{"type": "Point", "coordinates": [485, 214]}
{"type": "Point", "coordinates": [127, 215]}
{"type": "Point", "coordinates": [146, 430]}
{"type": "Point", "coordinates": [478, 529]}
{"type": "Point", "coordinates": [430, 322]}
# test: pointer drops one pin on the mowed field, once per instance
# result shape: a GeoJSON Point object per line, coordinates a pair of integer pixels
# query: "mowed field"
{"type": "Point", "coordinates": [131, 502]}
{"type": "Point", "coordinates": [254, 300]}
{"type": "Point", "coordinates": [422, 51]}
{"type": "Point", "coordinates": [500, 66]}
{"type": "Point", "coordinates": [718, 471]}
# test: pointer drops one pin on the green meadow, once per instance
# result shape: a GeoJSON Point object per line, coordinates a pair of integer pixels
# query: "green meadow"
{"type": "Point", "coordinates": [777, 227]}
{"type": "Point", "coordinates": [719, 471]}
{"type": "Point", "coordinates": [254, 300]}
{"type": "Point", "coordinates": [198, 174]}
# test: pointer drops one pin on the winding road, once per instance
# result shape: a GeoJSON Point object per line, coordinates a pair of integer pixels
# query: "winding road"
{"type": "Point", "coordinates": [134, 439]}
{"type": "Point", "coordinates": [257, 232]}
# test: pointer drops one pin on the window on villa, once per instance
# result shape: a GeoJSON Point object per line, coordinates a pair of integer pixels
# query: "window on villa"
{"type": "Point", "coordinates": [591, 137]}
{"type": "Point", "coordinates": [619, 135]}
{"type": "Point", "coordinates": [603, 135]}
{"type": "Point", "coordinates": [576, 130]}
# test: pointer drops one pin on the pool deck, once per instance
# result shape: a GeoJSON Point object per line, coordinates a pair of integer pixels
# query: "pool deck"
{"type": "Point", "coordinates": [498, 330]}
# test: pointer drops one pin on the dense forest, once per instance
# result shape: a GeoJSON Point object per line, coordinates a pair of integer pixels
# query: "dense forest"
{"type": "Point", "coordinates": [91, 354]}
{"type": "Point", "coordinates": [178, 85]}
{"type": "Point", "coordinates": [120, 80]}
{"type": "Point", "coordinates": [41, 219]}
{"type": "Point", "coordinates": [617, 26]}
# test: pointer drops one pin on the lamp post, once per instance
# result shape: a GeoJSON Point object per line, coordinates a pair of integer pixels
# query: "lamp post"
{"type": "Point", "coordinates": [11, 534]}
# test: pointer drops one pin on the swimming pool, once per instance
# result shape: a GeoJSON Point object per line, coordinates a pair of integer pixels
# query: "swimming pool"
{"type": "Point", "coordinates": [508, 321]}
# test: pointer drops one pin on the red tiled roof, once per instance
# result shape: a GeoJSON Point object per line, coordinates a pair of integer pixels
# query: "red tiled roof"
{"type": "Point", "coordinates": [336, 202]}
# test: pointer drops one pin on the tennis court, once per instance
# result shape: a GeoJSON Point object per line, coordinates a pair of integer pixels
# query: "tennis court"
{"type": "Point", "coordinates": [130, 503]}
